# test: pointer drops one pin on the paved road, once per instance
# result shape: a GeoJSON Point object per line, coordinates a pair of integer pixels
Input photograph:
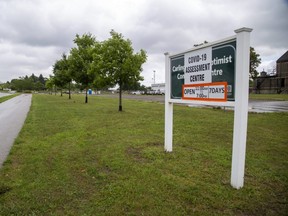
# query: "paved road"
{"type": "Point", "coordinates": [258, 106]}
{"type": "Point", "coordinates": [268, 106]}
{"type": "Point", "coordinates": [13, 113]}
{"type": "Point", "coordinates": [4, 94]}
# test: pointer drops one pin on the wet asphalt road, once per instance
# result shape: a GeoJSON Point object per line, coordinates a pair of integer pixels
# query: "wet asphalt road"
{"type": "Point", "coordinates": [258, 106]}
{"type": "Point", "coordinates": [268, 106]}
{"type": "Point", "coordinates": [13, 113]}
{"type": "Point", "coordinates": [4, 94]}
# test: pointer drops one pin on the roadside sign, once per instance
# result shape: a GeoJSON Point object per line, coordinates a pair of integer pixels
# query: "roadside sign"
{"type": "Point", "coordinates": [213, 74]}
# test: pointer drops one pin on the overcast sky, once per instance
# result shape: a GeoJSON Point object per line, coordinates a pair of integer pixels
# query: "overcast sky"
{"type": "Point", "coordinates": [34, 33]}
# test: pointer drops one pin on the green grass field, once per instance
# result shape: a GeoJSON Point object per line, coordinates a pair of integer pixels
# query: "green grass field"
{"type": "Point", "coordinates": [73, 158]}
{"type": "Point", "coordinates": [279, 97]}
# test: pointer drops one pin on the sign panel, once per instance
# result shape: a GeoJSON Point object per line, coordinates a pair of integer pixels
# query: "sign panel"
{"type": "Point", "coordinates": [216, 91]}
{"type": "Point", "coordinates": [223, 66]}
{"type": "Point", "coordinates": [177, 76]}
{"type": "Point", "coordinates": [198, 66]}
{"type": "Point", "coordinates": [207, 65]}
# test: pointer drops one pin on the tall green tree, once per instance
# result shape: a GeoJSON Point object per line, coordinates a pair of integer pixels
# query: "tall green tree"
{"type": "Point", "coordinates": [61, 72]}
{"type": "Point", "coordinates": [255, 61]}
{"type": "Point", "coordinates": [49, 84]}
{"type": "Point", "coordinates": [119, 63]}
{"type": "Point", "coordinates": [33, 78]}
{"type": "Point", "coordinates": [81, 60]}
{"type": "Point", "coordinates": [22, 84]}
{"type": "Point", "coordinates": [42, 79]}
{"type": "Point", "coordinates": [38, 86]}
{"type": "Point", "coordinates": [6, 85]}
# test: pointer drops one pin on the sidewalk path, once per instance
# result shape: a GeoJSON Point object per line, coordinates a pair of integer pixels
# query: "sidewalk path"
{"type": "Point", "coordinates": [4, 94]}
{"type": "Point", "coordinates": [13, 113]}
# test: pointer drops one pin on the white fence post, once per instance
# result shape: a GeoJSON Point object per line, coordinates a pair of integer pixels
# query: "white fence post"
{"type": "Point", "coordinates": [241, 107]}
{"type": "Point", "coordinates": [168, 107]}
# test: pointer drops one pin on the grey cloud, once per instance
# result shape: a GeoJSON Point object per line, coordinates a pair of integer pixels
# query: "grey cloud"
{"type": "Point", "coordinates": [32, 24]}
{"type": "Point", "coordinates": [34, 33]}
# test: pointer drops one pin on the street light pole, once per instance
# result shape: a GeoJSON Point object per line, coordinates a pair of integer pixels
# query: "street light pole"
{"type": "Point", "coordinates": [154, 76]}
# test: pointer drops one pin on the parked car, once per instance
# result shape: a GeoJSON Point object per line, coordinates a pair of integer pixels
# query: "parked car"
{"type": "Point", "coordinates": [136, 92]}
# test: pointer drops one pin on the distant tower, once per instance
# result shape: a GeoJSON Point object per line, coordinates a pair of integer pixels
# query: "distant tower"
{"type": "Point", "coordinates": [154, 76]}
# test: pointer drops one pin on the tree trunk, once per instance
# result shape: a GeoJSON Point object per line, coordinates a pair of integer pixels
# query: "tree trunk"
{"type": "Point", "coordinates": [120, 97]}
{"type": "Point", "coordinates": [86, 98]}
{"type": "Point", "coordinates": [69, 90]}
{"type": "Point", "coordinates": [61, 92]}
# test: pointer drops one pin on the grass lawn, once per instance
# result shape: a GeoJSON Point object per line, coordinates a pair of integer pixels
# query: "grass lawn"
{"type": "Point", "coordinates": [73, 158]}
{"type": "Point", "coordinates": [280, 97]}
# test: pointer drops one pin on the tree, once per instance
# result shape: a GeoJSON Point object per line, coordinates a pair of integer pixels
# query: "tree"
{"type": "Point", "coordinates": [135, 85]}
{"type": "Point", "coordinates": [119, 64]}
{"type": "Point", "coordinates": [33, 78]}
{"type": "Point", "coordinates": [38, 86]}
{"type": "Point", "coordinates": [41, 79]}
{"type": "Point", "coordinates": [255, 60]}
{"type": "Point", "coordinates": [49, 84]}
{"type": "Point", "coordinates": [61, 72]}
{"type": "Point", "coordinates": [5, 85]}
{"type": "Point", "coordinates": [22, 84]}
{"type": "Point", "coordinates": [81, 59]}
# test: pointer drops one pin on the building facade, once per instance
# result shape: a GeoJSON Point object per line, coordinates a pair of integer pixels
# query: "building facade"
{"type": "Point", "coordinates": [158, 88]}
{"type": "Point", "coordinates": [266, 84]}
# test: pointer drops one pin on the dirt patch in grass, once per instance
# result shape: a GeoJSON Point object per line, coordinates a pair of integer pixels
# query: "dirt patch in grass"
{"type": "Point", "coordinates": [4, 189]}
{"type": "Point", "coordinates": [154, 144]}
{"type": "Point", "coordinates": [135, 153]}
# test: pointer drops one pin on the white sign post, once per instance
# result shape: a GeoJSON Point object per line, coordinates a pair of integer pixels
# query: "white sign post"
{"type": "Point", "coordinates": [203, 71]}
{"type": "Point", "coordinates": [241, 107]}
{"type": "Point", "coordinates": [168, 108]}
